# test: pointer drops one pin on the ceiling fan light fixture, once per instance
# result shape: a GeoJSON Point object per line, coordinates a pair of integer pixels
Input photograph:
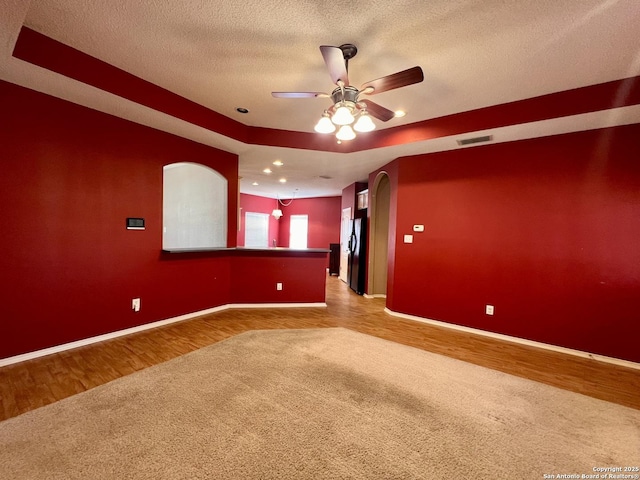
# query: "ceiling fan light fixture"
{"type": "Point", "coordinates": [364, 123]}
{"type": "Point", "coordinates": [347, 105]}
{"type": "Point", "coordinates": [346, 133]}
{"type": "Point", "coordinates": [325, 125]}
{"type": "Point", "coordinates": [343, 116]}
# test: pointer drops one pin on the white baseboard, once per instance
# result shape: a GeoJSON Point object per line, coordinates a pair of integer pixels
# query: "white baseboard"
{"type": "Point", "coordinates": [521, 341]}
{"type": "Point", "coordinates": [278, 305]}
{"type": "Point", "coordinates": [375, 295]}
{"type": "Point", "coordinates": [147, 326]}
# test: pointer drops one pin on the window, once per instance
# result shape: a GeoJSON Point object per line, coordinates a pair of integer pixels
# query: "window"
{"type": "Point", "coordinates": [256, 230]}
{"type": "Point", "coordinates": [298, 227]}
{"type": "Point", "coordinates": [194, 207]}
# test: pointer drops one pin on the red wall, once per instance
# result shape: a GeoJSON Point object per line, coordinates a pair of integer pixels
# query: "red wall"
{"type": "Point", "coordinates": [324, 220]}
{"type": "Point", "coordinates": [254, 277]}
{"type": "Point", "coordinates": [546, 230]}
{"type": "Point", "coordinates": [70, 178]}
{"type": "Point", "coordinates": [256, 204]}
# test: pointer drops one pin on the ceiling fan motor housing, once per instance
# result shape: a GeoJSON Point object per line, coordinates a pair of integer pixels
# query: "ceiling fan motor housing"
{"type": "Point", "coordinates": [350, 97]}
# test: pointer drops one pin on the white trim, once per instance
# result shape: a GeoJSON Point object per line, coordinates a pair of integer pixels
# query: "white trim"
{"type": "Point", "coordinates": [375, 295]}
{"type": "Point", "coordinates": [522, 341]}
{"type": "Point", "coordinates": [147, 326]}
{"type": "Point", "coordinates": [278, 305]}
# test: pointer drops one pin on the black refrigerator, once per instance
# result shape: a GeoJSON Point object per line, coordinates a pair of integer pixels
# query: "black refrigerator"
{"type": "Point", "coordinates": [357, 255]}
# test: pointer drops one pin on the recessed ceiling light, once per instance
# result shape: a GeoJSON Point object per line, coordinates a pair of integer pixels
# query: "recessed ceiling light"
{"type": "Point", "coordinates": [283, 180]}
{"type": "Point", "coordinates": [242, 110]}
{"type": "Point", "coordinates": [267, 170]}
{"type": "Point", "coordinates": [399, 113]}
{"type": "Point", "coordinates": [278, 163]}
{"type": "Point", "coordinates": [255, 184]}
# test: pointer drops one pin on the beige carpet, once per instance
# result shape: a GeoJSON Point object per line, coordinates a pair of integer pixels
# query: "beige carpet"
{"type": "Point", "coordinates": [318, 404]}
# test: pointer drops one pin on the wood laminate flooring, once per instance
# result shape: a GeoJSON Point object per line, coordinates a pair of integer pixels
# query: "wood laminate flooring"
{"type": "Point", "coordinates": [35, 383]}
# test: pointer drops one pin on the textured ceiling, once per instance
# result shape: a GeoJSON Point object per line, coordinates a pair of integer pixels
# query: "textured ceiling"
{"type": "Point", "coordinates": [223, 55]}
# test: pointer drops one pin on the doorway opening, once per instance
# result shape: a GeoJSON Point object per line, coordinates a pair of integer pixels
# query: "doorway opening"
{"type": "Point", "coordinates": [345, 232]}
{"type": "Point", "coordinates": [380, 204]}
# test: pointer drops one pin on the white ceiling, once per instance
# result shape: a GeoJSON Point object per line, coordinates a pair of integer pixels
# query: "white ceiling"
{"type": "Point", "coordinates": [223, 55]}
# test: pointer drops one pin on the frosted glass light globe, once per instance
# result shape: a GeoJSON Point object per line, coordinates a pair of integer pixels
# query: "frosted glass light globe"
{"type": "Point", "coordinates": [364, 123]}
{"type": "Point", "coordinates": [342, 116]}
{"type": "Point", "coordinates": [345, 133]}
{"type": "Point", "coordinates": [325, 125]}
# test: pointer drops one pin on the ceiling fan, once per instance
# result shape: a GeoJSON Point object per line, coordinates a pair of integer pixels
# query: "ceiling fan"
{"type": "Point", "coordinates": [347, 104]}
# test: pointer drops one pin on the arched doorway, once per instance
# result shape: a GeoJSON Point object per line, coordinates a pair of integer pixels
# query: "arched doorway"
{"type": "Point", "coordinates": [380, 202]}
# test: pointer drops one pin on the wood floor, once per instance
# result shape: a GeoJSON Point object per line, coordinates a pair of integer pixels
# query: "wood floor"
{"type": "Point", "coordinates": [35, 383]}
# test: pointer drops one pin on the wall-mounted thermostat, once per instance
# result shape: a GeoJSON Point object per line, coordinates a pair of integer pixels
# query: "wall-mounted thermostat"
{"type": "Point", "coordinates": [418, 228]}
{"type": "Point", "coordinates": [135, 223]}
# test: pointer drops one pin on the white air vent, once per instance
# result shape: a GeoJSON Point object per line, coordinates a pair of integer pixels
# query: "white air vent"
{"type": "Point", "coordinates": [469, 141]}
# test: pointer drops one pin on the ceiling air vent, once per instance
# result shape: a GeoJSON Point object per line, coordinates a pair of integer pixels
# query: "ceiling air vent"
{"type": "Point", "coordinates": [325, 177]}
{"type": "Point", "coordinates": [469, 141]}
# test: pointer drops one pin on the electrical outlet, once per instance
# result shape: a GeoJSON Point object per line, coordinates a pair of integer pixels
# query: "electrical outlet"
{"type": "Point", "coordinates": [489, 310]}
{"type": "Point", "coordinates": [278, 286]}
{"type": "Point", "coordinates": [135, 304]}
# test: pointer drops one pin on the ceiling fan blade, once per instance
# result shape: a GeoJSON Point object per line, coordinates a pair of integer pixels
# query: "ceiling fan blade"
{"type": "Point", "coordinates": [299, 94]}
{"type": "Point", "coordinates": [395, 80]}
{"type": "Point", "coordinates": [378, 111]}
{"type": "Point", "coordinates": [334, 59]}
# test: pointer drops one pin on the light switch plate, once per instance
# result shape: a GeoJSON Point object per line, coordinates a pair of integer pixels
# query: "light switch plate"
{"type": "Point", "coordinates": [408, 239]}
{"type": "Point", "coordinates": [418, 228]}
